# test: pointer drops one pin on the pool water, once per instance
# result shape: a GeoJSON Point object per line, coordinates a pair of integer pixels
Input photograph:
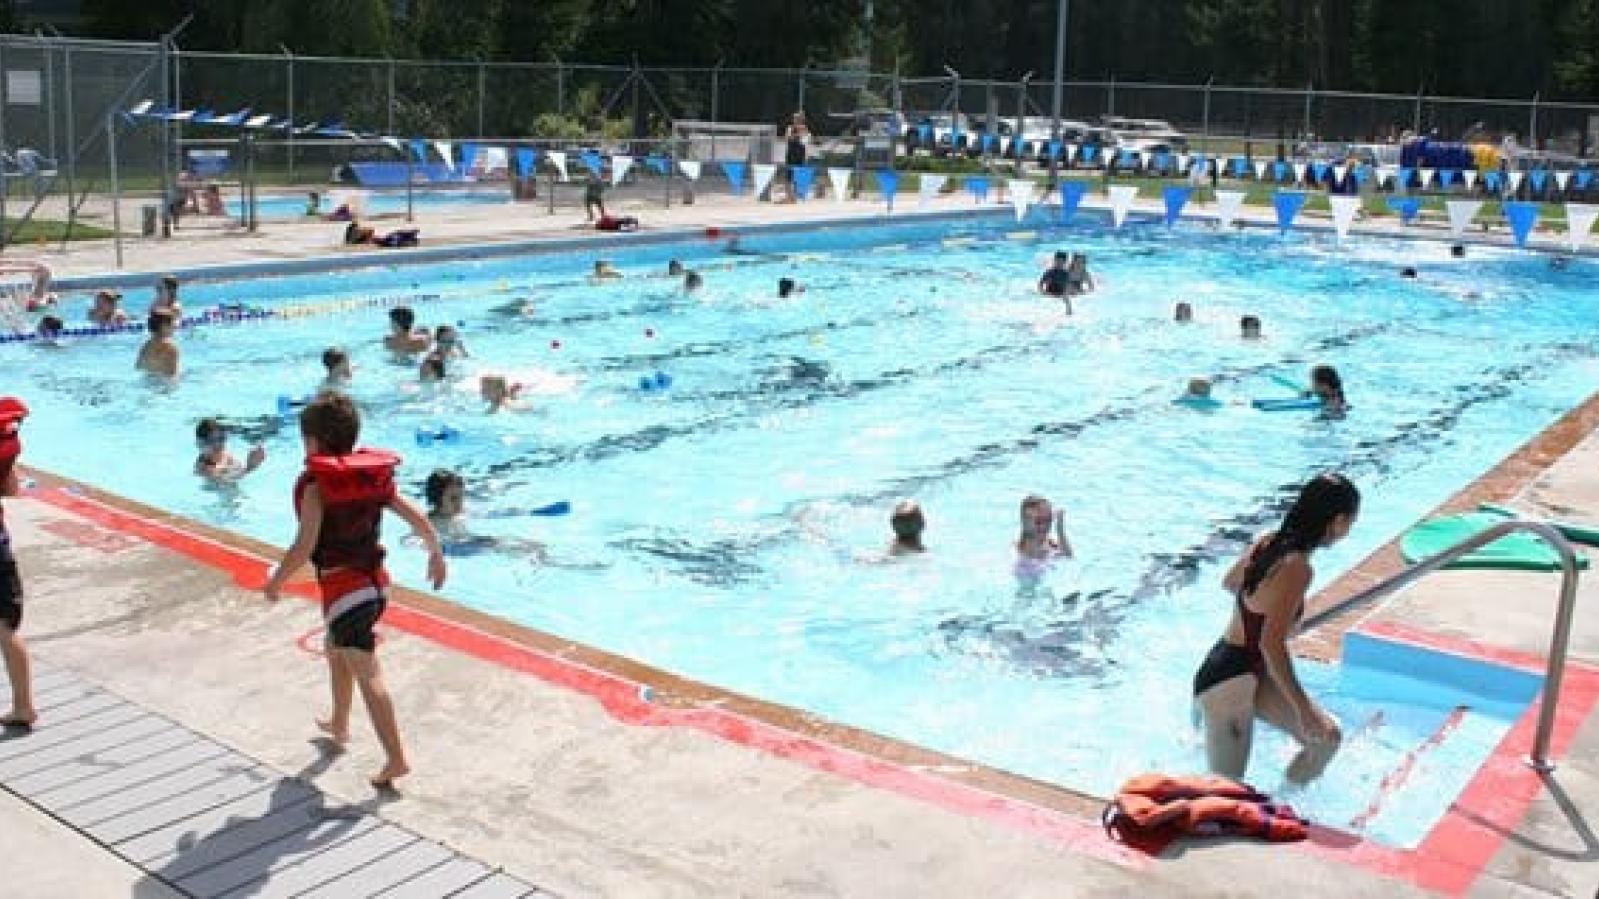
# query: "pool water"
{"type": "Point", "coordinates": [730, 528]}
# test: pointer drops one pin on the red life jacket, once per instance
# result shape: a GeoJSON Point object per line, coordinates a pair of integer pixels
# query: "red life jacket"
{"type": "Point", "coordinates": [1160, 805]}
{"type": "Point", "coordinates": [12, 412]}
{"type": "Point", "coordinates": [355, 488]}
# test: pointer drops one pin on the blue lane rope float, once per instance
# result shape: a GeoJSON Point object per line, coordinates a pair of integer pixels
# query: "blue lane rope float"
{"type": "Point", "coordinates": [1198, 402]}
{"type": "Point", "coordinates": [233, 313]}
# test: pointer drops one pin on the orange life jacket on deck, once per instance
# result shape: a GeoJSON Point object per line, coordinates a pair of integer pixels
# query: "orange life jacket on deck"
{"type": "Point", "coordinates": [1152, 805]}
{"type": "Point", "coordinates": [354, 488]}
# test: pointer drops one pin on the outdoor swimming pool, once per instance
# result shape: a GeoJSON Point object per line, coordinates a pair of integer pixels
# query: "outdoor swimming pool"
{"type": "Point", "coordinates": [726, 528]}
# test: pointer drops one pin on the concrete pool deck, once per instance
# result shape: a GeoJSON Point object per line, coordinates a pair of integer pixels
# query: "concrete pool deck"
{"type": "Point", "coordinates": [587, 797]}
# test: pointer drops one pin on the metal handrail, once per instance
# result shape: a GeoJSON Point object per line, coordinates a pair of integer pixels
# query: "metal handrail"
{"type": "Point", "coordinates": [1539, 759]}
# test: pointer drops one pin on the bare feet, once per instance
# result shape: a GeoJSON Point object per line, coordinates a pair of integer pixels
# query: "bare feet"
{"type": "Point", "coordinates": [384, 780]}
{"type": "Point", "coordinates": [19, 720]}
{"type": "Point", "coordinates": [339, 736]}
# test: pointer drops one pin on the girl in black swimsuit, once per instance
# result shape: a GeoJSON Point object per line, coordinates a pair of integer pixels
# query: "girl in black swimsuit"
{"type": "Point", "coordinates": [1248, 673]}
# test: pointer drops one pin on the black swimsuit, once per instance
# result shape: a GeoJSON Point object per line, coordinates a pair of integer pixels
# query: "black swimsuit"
{"type": "Point", "coordinates": [1228, 660]}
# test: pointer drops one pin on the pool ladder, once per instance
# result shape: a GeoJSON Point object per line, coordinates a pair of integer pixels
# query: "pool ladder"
{"type": "Point", "coordinates": [1539, 760]}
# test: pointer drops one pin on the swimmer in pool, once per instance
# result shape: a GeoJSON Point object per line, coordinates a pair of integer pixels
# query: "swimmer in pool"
{"type": "Point", "coordinates": [787, 287]}
{"type": "Point", "coordinates": [1184, 313]}
{"type": "Point", "coordinates": [215, 463]}
{"type": "Point", "coordinates": [501, 394]}
{"type": "Point", "coordinates": [604, 271]}
{"type": "Point", "coordinates": [447, 341]}
{"type": "Point", "coordinates": [674, 269]}
{"type": "Point", "coordinates": [907, 523]}
{"type": "Point", "coordinates": [445, 492]}
{"type": "Point", "coordinates": [1249, 327]}
{"type": "Point", "coordinates": [339, 373]}
{"type": "Point", "coordinates": [1327, 386]}
{"type": "Point", "coordinates": [1198, 391]}
{"type": "Point", "coordinates": [433, 369]}
{"type": "Point", "coordinates": [404, 339]}
{"type": "Point", "coordinates": [1035, 542]}
{"type": "Point", "coordinates": [1249, 672]}
{"type": "Point", "coordinates": [693, 281]}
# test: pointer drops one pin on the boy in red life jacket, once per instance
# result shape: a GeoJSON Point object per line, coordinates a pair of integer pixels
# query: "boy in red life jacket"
{"type": "Point", "coordinates": [340, 499]}
{"type": "Point", "coordinates": [22, 714]}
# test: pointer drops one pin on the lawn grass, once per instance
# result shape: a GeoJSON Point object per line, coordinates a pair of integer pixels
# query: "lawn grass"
{"type": "Point", "coordinates": [49, 230]}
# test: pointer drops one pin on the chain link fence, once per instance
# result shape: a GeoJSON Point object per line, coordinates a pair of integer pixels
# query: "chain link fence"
{"type": "Point", "coordinates": [62, 100]}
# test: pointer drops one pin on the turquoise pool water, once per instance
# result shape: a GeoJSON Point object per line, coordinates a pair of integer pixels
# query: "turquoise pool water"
{"type": "Point", "coordinates": [377, 202]}
{"type": "Point", "coordinates": [728, 528]}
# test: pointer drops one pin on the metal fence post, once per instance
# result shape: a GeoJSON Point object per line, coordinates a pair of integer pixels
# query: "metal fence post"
{"type": "Point", "coordinates": [560, 88]}
{"type": "Point", "coordinates": [116, 184]}
{"type": "Point", "coordinates": [289, 61]}
{"type": "Point", "coordinates": [1206, 129]}
{"type": "Point", "coordinates": [4, 188]}
{"type": "Point", "coordinates": [1532, 126]}
{"type": "Point", "coordinates": [1415, 125]}
{"type": "Point", "coordinates": [482, 94]}
{"type": "Point", "coordinates": [801, 105]}
{"type": "Point", "coordinates": [166, 136]}
{"type": "Point", "coordinates": [716, 89]}
{"type": "Point", "coordinates": [72, 139]}
{"type": "Point", "coordinates": [49, 96]}
{"type": "Point", "coordinates": [390, 104]}
{"type": "Point", "coordinates": [1110, 96]}
{"type": "Point", "coordinates": [1310, 94]}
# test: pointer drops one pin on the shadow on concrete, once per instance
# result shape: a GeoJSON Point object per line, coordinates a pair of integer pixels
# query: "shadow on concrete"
{"type": "Point", "coordinates": [1580, 828]}
{"type": "Point", "coordinates": [248, 865]}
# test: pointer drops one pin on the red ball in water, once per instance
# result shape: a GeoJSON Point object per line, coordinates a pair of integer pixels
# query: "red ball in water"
{"type": "Point", "coordinates": [713, 232]}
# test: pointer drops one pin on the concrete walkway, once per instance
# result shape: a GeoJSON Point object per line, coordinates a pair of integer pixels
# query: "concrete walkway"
{"type": "Point", "coordinates": [194, 815]}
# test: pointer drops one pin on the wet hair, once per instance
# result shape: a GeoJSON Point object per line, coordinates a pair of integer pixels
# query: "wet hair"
{"type": "Point", "coordinates": [441, 331]}
{"type": "Point", "coordinates": [600, 265]}
{"type": "Point", "coordinates": [785, 286]}
{"type": "Point", "coordinates": [439, 481]}
{"type": "Point", "coordinates": [1248, 322]}
{"type": "Point", "coordinates": [333, 357]}
{"type": "Point", "coordinates": [1323, 499]}
{"type": "Point", "coordinates": [209, 430]}
{"type": "Point", "coordinates": [402, 317]}
{"type": "Point", "coordinates": [433, 365]}
{"type": "Point", "coordinates": [674, 267]}
{"type": "Point", "coordinates": [1407, 272]}
{"type": "Point", "coordinates": [692, 280]}
{"type": "Point", "coordinates": [169, 283]}
{"type": "Point", "coordinates": [1030, 502]}
{"type": "Point", "coordinates": [907, 521]}
{"type": "Point", "coordinates": [331, 417]}
{"type": "Point", "coordinates": [1184, 311]}
{"type": "Point", "coordinates": [51, 324]}
{"type": "Point", "coordinates": [1327, 376]}
{"type": "Point", "coordinates": [160, 319]}
{"type": "Point", "coordinates": [1062, 256]}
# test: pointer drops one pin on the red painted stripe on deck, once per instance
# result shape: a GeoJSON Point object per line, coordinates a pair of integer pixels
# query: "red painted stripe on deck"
{"type": "Point", "coordinates": [1396, 778]}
